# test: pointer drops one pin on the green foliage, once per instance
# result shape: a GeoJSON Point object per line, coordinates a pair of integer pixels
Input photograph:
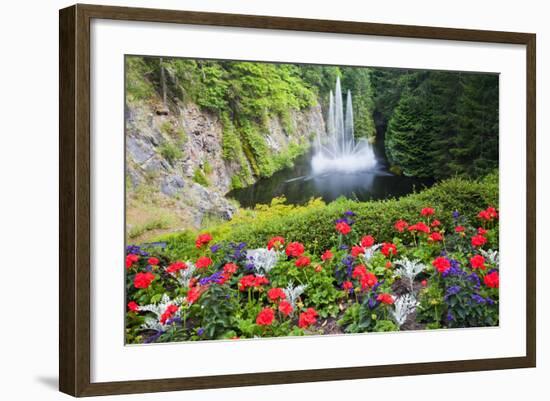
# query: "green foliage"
{"type": "Point", "coordinates": [138, 87]}
{"type": "Point", "coordinates": [200, 178]}
{"type": "Point", "coordinates": [313, 223]}
{"type": "Point", "coordinates": [170, 152]}
{"type": "Point", "coordinates": [207, 167]}
{"type": "Point", "coordinates": [445, 123]}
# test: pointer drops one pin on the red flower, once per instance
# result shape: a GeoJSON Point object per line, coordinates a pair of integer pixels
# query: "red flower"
{"type": "Point", "coordinates": [275, 242]}
{"type": "Point", "coordinates": [307, 318]}
{"type": "Point", "coordinates": [132, 306]}
{"type": "Point", "coordinates": [424, 283]}
{"type": "Point", "coordinates": [318, 269]}
{"type": "Point", "coordinates": [327, 255]}
{"type": "Point", "coordinates": [343, 228]}
{"type": "Point", "coordinates": [385, 298]}
{"type": "Point", "coordinates": [176, 266]}
{"type": "Point", "coordinates": [491, 280]}
{"type": "Point", "coordinates": [478, 262]}
{"type": "Point", "coordinates": [203, 262]}
{"type": "Point", "coordinates": [347, 285]}
{"type": "Point", "coordinates": [252, 281]}
{"type": "Point", "coordinates": [478, 240]}
{"type": "Point", "coordinates": [302, 261]}
{"type": "Point", "coordinates": [168, 313]}
{"type": "Point", "coordinates": [420, 227]}
{"type": "Point", "coordinates": [441, 264]}
{"type": "Point", "coordinates": [131, 259]}
{"type": "Point", "coordinates": [265, 317]}
{"type": "Point", "coordinates": [294, 249]}
{"type": "Point", "coordinates": [481, 231]}
{"type": "Point", "coordinates": [400, 225]}
{"type": "Point", "coordinates": [427, 211]}
{"type": "Point", "coordinates": [435, 236]}
{"type": "Point", "coordinates": [153, 261]}
{"type": "Point", "coordinates": [230, 268]}
{"type": "Point", "coordinates": [143, 280]}
{"type": "Point", "coordinates": [357, 250]}
{"type": "Point", "coordinates": [459, 229]}
{"type": "Point", "coordinates": [367, 241]}
{"type": "Point", "coordinates": [275, 294]}
{"type": "Point", "coordinates": [488, 214]}
{"type": "Point", "coordinates": [203, 239]}
{"type": "Point", "coordinates": [388, 264]}
{"type": "Point", "coordinates": [388, 249]}
{"type": "Point", "coordinates": [367, 279]}
{"type": "Point", "coordinates": [285, 308]}
{"type": "Point", "coordinates": [195, 293]}
{"type": "Point", "coordinates": [436, 223]}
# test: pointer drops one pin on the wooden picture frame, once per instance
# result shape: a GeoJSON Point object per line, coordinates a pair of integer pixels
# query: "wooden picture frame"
{"type": "Point", "coordinates": [74, 203]}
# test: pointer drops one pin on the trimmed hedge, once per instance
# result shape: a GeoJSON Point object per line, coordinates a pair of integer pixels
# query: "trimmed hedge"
{"type": "Point", "coordinates": [313, 224]}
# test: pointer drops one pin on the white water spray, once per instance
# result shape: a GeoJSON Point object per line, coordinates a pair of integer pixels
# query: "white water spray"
{"type": "Point", "coordinates": [340, 152]}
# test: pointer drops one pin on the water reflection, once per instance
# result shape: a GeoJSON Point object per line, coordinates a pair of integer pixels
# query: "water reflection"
{"type": "Point", "coordinates": [299, 185]}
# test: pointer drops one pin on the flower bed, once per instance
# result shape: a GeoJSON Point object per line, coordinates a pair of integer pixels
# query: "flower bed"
{"type": "Point", "coordinates": [430, 275]}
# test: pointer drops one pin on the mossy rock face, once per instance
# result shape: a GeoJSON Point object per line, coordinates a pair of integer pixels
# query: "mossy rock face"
{"type": "Point", "coordinates": [396, 170]}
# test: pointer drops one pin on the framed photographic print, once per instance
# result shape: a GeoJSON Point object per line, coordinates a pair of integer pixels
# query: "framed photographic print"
{"type": "Point", "coordinates": [346, 199]}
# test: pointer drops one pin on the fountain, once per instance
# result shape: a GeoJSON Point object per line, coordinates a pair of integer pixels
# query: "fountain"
{"type": "Point", "coordinates": [339, 151]}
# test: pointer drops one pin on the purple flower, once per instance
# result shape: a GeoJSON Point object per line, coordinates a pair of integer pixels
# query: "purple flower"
{"type": "Point", "coordinates": [349, 213]}
{"type": "Point", "coordinates": [153, 338]}
{"type": "Point", "coordinates": [216, 278]}
{"type": "Point", "coordinates": [249, 266]}
{"type": "Point", "coordinates": [478, 299]}
{"type": "Point", "coordinates": [474, 279]}
{"type": "Point", "coordinates": [450, 316]}
{"type": "Point", "coordinates": [175, 320]}
{"type": "Point", "coordinates": [373, 303]}
{"type": "Point", "coordinates": [343, 247]}
{"type": "Point", "coordinates": [452, 290]}
{"type": "Point", "coordinates": [136, 250]}
{"type": "Point", "coordinates": [200, 331]}
{"type": "Point", "coordinates": [215, 248]}
{"type": "Point", "coordinates": [454, 270]}
{"type": "Point", "coordinates": [456, 215]}
{"type": "Point", "coordinates": [490, 302]}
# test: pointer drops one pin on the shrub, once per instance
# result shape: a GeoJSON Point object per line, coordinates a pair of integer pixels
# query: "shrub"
{"type": "Point", "coordinates": [200, 178]}
{"type": "Point", "coordinates": [170, 152]}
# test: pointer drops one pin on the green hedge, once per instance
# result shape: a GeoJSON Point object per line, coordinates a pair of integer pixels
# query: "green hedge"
{"type": "Point", "coordinates": [313, 224]}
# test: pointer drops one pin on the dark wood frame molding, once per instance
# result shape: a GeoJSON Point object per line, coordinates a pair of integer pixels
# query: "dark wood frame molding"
{"type": "Point", "coordinates": [74, 199]}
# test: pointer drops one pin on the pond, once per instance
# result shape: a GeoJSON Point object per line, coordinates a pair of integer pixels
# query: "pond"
{"type": "Point", "coordinates": [299, 185]}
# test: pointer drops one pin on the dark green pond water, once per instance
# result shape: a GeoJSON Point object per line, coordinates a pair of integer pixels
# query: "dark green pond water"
{"type": "Point", "coordinates": [298, 185]}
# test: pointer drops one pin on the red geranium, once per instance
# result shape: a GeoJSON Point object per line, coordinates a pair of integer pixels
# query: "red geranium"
{"type": "Point", "coordinates": [327, 255]}
{"type": "Point", "coordinates": [307, 318]}
{"type": "Point", "coordinates": [400, 225]}
{"type": "Point", "coordinates": [203, 239]}
{"type": "Point", "coordinates": [168, 313]}
{"type": "Point", "coordinates": [388, 264]}
{"type": "Point", "coordinates": [478, 240]}
{"type": "Point", "coordinates": [153, 261]}
{"type": "Point", "coordinates": [435, 237]}
{"type": "Point", "coordinates": [481, 231]}
{"type": "Point", "coordinates": [275, 242]}
{"type": "Point", "coordinates": [143, 280]}
{"type": "Point", "coordinates": [302, 261]}
{"type": "Point", "coordinates": [366, 278]}
{"type": "Point", "coordinates": [420, 227]}
{"type": "Point", "coordinates": [427, 211]}
{"type": "Point", "coordinates": [343, 228]}
{"type": "Point", "coordinates": [459, 229]}
{"type": "Point", "coordinates": [252, 281]}
{"type": "Point", "coordinates": [357, 250]}
{"type": "Point", "coordinates": [203, 262]}
{"type": "Point", "coordinates": [388, 249]}
{"type": "Point", "coordinates": [265, 317]}
{"type": "Point", "coordinates": [491, 280]}
{"type": "Point", "coordinates": [294, 249]}
{"type": "Point", "coordinates": [347, 285]}
{"type": "Point", "coordinates": [132, 306]}
{"type": "Point", "coordinates": [276, 294]}
{"type": "Point", "coordinates": [195, 293]}
{"type": "Point", "coordinates": [488, 214]}
{"type": "Point", "coordinates": [424, 283]}
{"type": "Point", "coordinates": [477, 262]}
{"type": "Point", "coordinates": [176, 266]}
{"type": "Point", "coordinates": [285, 308]}
{"type": "Point", "coordinates": [441, 264]}
{"type": "Point", "coordinates": [131, 259]}
{"type": "Point", "coordinates": [230, 268]}
{"type": "Point", "coordinates": [367, 241]}
{"type": "Point", "coordinates": [435, 223]}
{"type": "Point", "coordinates": [385, 298]}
